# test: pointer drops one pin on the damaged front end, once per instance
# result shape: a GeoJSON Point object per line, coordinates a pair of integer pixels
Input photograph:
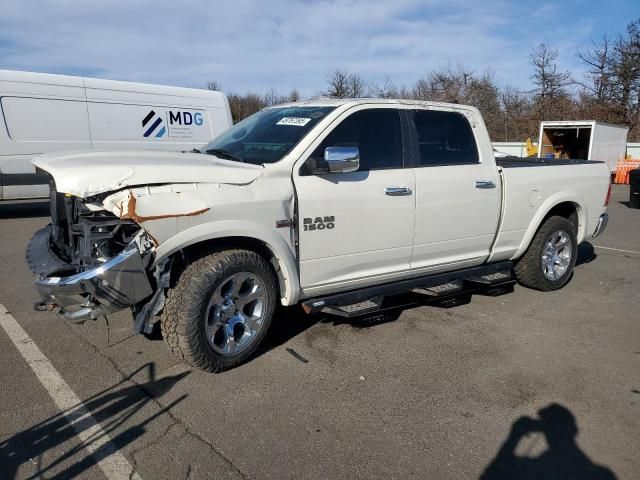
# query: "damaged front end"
{"type": "Point", "coordinates": [89, 262]}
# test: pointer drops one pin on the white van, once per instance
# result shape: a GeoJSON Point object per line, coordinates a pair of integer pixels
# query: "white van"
{"type": "Point", "coordinates": [44, 113]}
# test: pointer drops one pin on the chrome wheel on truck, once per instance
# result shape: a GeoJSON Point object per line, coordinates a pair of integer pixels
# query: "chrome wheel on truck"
{"type": "Point", "coordinates": [235, 315]}
{"type": "Point", "coordinates": [548, 262]}
{"type": "Point", "coordinates": [219, 310]}
{"type": "Point", "coordinates": [556, 256]}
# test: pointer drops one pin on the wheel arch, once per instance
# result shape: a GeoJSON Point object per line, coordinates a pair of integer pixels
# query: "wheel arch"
{"type": "Point", "coordinates": [237, 234]}
{"type": "Point", "coordinates": [567, 206]}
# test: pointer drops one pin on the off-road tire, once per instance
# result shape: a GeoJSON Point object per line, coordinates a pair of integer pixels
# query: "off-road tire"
{"type": "Point", "coordinates": [528, 269]}
{"type": "Point", "coordinates": [183, 317]}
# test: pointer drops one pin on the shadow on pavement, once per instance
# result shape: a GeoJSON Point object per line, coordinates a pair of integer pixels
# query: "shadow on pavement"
{"type": "Point", "coordinates": [111, 408]}
{"type": "Point", "coordinates": [586, 253]}
{"type": "Point", "coordinates": [289, 322]}
{"type": "Point", "coordinates": [521, 456]}
{"type": "Point", "coordinates": [24, 209]}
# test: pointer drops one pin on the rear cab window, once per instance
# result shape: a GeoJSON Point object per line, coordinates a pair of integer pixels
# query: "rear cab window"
{"type": "Point", "coordinates": [443, 138]}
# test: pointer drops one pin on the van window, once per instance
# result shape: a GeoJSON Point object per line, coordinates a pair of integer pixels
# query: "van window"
{"type": "Point", "coordinates": [444, 138]}
{"type": "Point", "coordinates": [44, 119]}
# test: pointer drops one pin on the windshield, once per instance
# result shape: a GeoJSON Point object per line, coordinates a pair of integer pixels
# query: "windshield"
{"type": "Point", "coordinates": [266, 136]}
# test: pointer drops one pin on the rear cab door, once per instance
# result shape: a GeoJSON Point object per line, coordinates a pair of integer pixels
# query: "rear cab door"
{"type": "Point", "coordinates": [458, 189]}
{"type": "Point", "coordinates": [354, 228]}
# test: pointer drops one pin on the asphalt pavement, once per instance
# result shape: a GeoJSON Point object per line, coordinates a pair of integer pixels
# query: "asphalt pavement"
{"type": "Point", "coordinates": [545, 384]}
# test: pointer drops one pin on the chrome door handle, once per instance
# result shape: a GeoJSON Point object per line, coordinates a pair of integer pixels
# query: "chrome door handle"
{"type": "Point", "coordinates": [485, 184]}
{"type": "Point", "coordinates": [397, 191]}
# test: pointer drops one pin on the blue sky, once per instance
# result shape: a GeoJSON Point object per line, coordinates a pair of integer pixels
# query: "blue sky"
{"type": "Point", "coordinates": [257, 45]}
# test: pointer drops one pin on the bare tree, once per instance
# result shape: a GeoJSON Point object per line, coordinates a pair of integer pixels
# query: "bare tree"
{"type": "Point", "coordinates": [448, 84]}
{"type": "Point", "coordinates": [357, 86]}
{"type": "Point", "coordinates": [460, 85]}
{"type": "Point", "coordinates": [626, 74]}
{"type": "Point", "coordinates": [214, 85]}
{"type": "Point", "coordinates": [598, 76]}
{"type": "Point", "coordinates": [611, 89]}
{"type": "Point", "coordinates": [244, 105]}
{"type": "Point", "coordinates": [404, 92]}
{"type": "Point", "coordinates": [421, 90]}
{"type": "Point", "coordinates": [517, 121]}
{"type": "Point", "coordinates": [386, 90]}
{"type": "Point", "coordinates": [272, 97]}
{"type": "Point", "coordinates": [338, 84]}
{"type": "Point", "coordinates": [550, 82]}
{"type": "Point", "coordinates": [483, 93]}
{"type": "Point", "coordinates": [343, 84]}
{"type": "Point", "coordinates": [294, 96]}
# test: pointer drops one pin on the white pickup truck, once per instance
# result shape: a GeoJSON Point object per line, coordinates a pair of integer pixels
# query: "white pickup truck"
{"type": "Point", "coordinates": [334, 204]}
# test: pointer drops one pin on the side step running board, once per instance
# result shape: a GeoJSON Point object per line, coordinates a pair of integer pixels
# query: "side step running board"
{"type": "Point", "coordinates": [491, 278]}
{"type": "Point", "coordinates": [449, 288]}
{"type": "Point", "coordinates": [369, 300]}
{"type": "Point", "coordinates": [356, 309]}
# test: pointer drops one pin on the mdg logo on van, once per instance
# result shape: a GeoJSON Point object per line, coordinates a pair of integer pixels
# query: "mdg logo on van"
{"type": "Point", "coordinates": [185, 118]}
{"type": "Point", "coordinates": [152, 124]}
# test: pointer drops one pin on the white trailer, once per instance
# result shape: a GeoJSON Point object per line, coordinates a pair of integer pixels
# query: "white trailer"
{"type": "Point", "coordinates": [583, 140]}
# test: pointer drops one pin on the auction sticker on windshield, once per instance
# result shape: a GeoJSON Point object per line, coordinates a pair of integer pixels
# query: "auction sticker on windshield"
{"type": "Point", "coordinates": [294, 121]}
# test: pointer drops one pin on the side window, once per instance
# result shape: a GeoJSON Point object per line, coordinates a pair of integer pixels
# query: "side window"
{"type": "Point", "coordinates": [376, 133]}
{"type": "Point", "coordinates": [444, 138]}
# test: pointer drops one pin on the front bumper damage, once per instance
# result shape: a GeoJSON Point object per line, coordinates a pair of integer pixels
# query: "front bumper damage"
{"type": "Point", "coordinates": [119, 282]}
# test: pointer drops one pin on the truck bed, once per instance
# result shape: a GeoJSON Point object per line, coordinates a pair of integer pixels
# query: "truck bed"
{"type": "Point", "coordinates": [514, 162]}
{"type": "Point", "coordinates": [529, 193]}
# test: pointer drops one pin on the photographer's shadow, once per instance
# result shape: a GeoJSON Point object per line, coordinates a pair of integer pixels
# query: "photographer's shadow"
{"type": "Point", "coordinates": [562, 458]}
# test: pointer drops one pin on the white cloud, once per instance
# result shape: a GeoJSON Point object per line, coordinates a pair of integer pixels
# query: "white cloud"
{"type": "Point", "coordinates": [281, 43]}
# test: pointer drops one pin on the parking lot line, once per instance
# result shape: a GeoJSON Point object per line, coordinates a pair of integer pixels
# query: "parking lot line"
{"type": "Point", "coordinates": [112, 463]}
{"type": "Point", "coordinates": [617, 249]}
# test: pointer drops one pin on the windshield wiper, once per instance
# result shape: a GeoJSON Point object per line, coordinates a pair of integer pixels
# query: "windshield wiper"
{"type": "Point", "coordinates": [222, 153]}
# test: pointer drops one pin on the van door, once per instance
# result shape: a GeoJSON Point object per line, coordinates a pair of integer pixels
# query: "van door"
{"type": "Point", "coordinates": [352, 229]}
{"type": "Point", "coordinates": [457, 192]}
{"type": "Point", "coordinates": [35, 126]}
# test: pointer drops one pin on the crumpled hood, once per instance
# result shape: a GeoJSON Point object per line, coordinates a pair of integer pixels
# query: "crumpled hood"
{"type": "Point", "coordinates": [86, 173]}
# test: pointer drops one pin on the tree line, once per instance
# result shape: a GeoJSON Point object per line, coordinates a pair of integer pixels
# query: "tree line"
{"type": "Point", "coordinates": [609, 90]}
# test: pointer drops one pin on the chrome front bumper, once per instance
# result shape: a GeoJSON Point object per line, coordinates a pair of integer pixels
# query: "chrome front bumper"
{"type": "Point", "coordinates": [601, 225]}
{"type": "Point", "coordinates": [118, 283]}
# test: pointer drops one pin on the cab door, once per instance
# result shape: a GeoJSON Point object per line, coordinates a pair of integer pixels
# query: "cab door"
{"type": "Point", "coordinates": [356, 228]}
{"type": "Point", "coordinates": [458, 192]}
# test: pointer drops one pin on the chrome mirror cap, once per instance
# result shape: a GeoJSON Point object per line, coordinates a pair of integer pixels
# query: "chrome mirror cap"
{"type": "Point", "coordinates": [342, 159]}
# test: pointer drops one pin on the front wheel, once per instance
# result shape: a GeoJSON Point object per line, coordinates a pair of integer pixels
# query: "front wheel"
{"type": "Point", "coordinates": [220, 309]}
{"type": "Point", "coordinates": [548, 262]}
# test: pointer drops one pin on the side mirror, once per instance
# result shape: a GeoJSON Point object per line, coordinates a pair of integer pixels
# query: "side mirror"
{"type": "Point", "coordinates": [336, 160]}
{"type": "Point", "coordinates": [342, 159]}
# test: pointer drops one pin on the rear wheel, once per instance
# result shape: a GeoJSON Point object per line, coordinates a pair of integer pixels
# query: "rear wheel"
{"type": "Point", "coordinates": [220, 309]}
{"type": "Point", "coordinates": [548, 262]}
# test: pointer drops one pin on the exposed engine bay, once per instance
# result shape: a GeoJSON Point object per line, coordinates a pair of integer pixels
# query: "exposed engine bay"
{"type": "Point", "coordinates": [86, 237]}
